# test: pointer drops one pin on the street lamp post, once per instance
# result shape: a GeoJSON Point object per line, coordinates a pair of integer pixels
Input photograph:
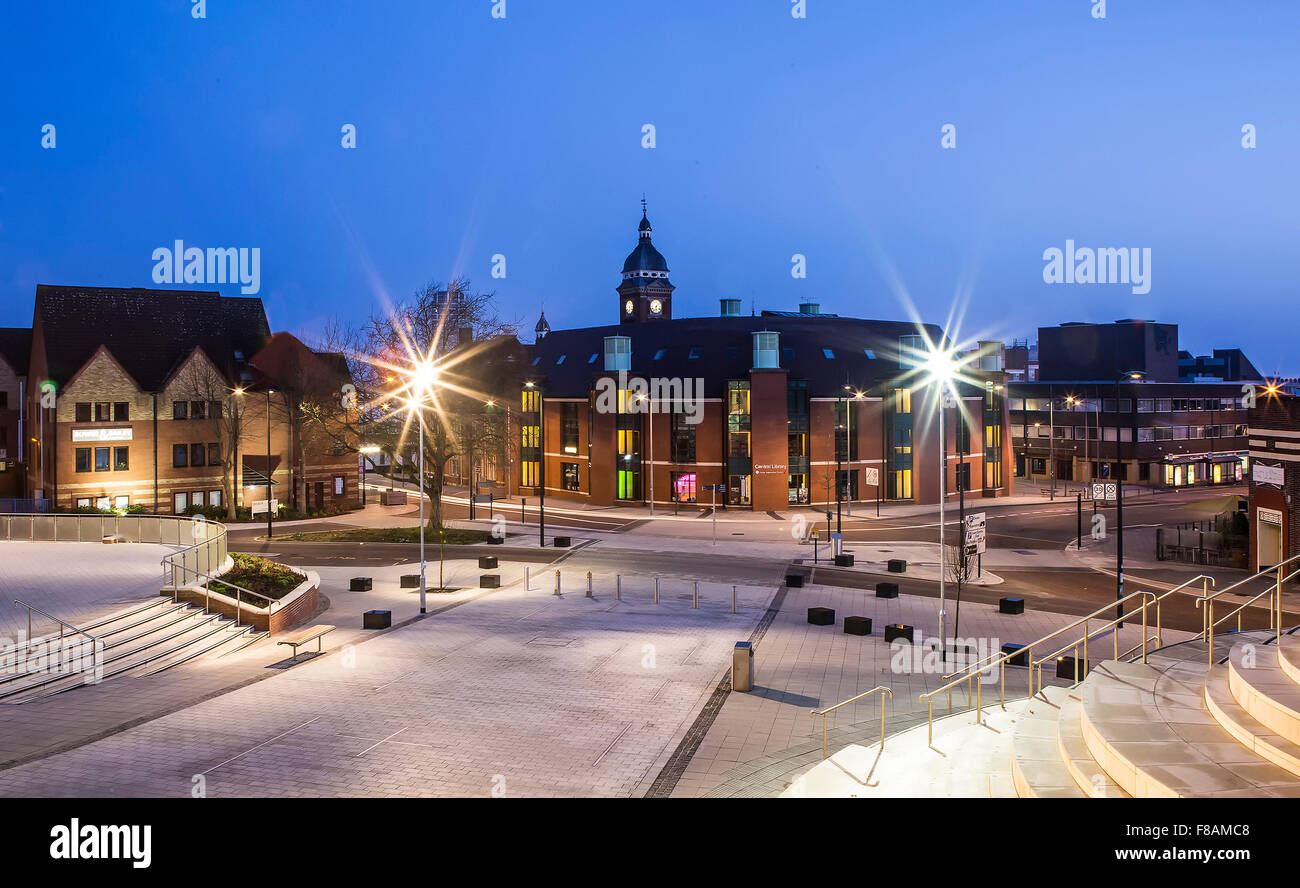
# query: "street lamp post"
{"type": "Point", "coordinates": [269, 392]}
{"type": "Point", "coordinates": [650, 449]}
{"type": "Point", "coordinates": [1051, 443]}
{"type": "Point", "coordinates": [941, 369]}
{"type": "Point", "coordinates": [839, 489]}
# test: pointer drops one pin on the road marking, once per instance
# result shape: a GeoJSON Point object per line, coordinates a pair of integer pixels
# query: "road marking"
{"type": "Point", "coordinates": [260, 745]}
{"type": "Point", "coordinates": [385, 740]}
{"type": "Point", "coordinates": [626, 728]}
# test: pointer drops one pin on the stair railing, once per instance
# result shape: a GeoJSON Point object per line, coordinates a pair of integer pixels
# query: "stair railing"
{"type": "Point", "coordinates": [975, 670]}
{"type": "Point", "coordinates": [96, 645]}
{"type": "Point", "coordinates": [879, 689]}
{"type": "Point", "coordinates": [1274, 593]}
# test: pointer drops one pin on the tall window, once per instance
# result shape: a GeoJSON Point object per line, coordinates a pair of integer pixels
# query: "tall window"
{"type": "Point", "coordinates": [83, 412]}
{"type": "Point", "coordinates": [569, 474]}
{"type": "Point", "coordinates": [683, 439]}
{"type": "Point", "coordinates": [899, 454]}
{"type": "Point", "coordinates": [528, 473]}
{"type": "Point", "coordinates": [992, 438]}
{"type": "Point", "coordinates": [569, 427]}
{"type": "Point", "coordinates": [121, 459]}
{"type": "Point", "coordinates": [101, 459]}
{"type": "Point", "coordinates": [530, 400]}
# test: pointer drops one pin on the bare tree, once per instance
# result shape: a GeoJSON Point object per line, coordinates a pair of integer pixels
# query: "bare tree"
{"type": "Point", "coordinates": [435, 322]}
{"type": "Point", "coordinates": [200, 382]}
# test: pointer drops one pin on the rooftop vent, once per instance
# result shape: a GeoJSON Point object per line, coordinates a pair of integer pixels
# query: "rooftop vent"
{"type": "Point", "coordinates": [730, 308]}
{"type": "Point", "coordinates": [810, 308]}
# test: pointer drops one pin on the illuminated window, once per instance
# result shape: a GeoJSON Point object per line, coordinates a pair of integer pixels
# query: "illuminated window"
{"type": "Point", "coordinates": [528, 474]}
{"type": "Point", "coordinates": [531, 400]}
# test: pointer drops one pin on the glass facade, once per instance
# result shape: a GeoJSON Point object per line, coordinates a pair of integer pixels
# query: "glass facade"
{"type": "Point", "coordinates": [898, 455]}
{"type": "Point", "coordinates": [738, 461]}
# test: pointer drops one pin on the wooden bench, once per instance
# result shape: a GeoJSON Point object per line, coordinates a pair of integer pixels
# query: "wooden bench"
{"type": "Point", "coordinates": [311, 633]}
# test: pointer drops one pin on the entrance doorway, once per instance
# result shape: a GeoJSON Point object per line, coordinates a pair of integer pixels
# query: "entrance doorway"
{"type": "Point", "coordinates": [1268, 531]}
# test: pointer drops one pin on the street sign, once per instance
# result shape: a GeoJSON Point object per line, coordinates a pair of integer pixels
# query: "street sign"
{"type": "Point", "coordinates": [1105, 491]}
{"type": "Point", "coordinates": [974, 534]}
{"type": "Point", "coordinates": [260, 505]}
{"type": "Point", "coordinates": [872, 477]}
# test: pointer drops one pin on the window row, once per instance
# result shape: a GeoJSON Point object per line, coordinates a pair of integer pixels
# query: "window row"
{"type": "Point", "coordinates": [194, 455]}
{"type": "Point", "coordinates": [103, 459]}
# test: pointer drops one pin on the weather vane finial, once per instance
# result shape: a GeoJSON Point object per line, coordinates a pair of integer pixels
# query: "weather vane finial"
{"type": "Point", "coordinates": [642, 203]}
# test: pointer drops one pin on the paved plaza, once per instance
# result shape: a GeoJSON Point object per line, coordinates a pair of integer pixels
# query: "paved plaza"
{"type": "Point", "coordinates": [509, 691]}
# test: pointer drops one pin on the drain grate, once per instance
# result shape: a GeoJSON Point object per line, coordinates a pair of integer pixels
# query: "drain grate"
{"type": "Point", "coordinates": [552, 642]}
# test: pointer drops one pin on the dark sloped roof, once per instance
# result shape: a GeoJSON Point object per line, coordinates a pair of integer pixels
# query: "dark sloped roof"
{"type": "Point", "coordinates": [149, 332]}
{"type": "Point", "coordinates": [16, 348]}
{"type": "Point", "coordinates": [725, 351]}
{"type": "Point", "coordinates": [645, 258]}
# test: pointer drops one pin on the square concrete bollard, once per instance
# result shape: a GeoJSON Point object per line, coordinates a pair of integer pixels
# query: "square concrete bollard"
{"type": "Point", "coordinates": [897, 565]}
{"type": "Point", "coordinates": [886, 590]}
{"type": "Point", "coordinates": [898, 631]}
{"type": "Point", "coordinates": [1011, 605]}
{"type": "Point", "coordinates": [489, 581]}
{"type": "Point", "coordinates": [376, 619]}
{"type": "Point", "coordinates": [844, 560]}
{"type": "Point", "coordinates": [821, 616]}
{"type": "Point", "coordinates": [1021, 658]}
{"type": "Point", "coordinates": [487, 562]}
{"type": "Point", "coordinates": [361, 584]}
{"type": "Point", "coordinates": [410, 581]}
{"type": "Point", "coordinates": [794, 581]}
{"type": "Point", "coordinates": [857, 625]}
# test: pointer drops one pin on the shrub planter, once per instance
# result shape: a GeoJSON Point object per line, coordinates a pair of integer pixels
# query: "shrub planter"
{"type": "Point", "coordinates": [1011, 605]}
{"type": "Point", "coordinates": [794, 581]}
{"type": "Point", "coordinates": [410, 581]}
{"type": "Point", "coordinates": [843, 560]}
{"type": "Point", "coordinates": [489, 581]}
{"type": "Point", "coordinates": [377, 619]}
{"type": "Point", "coordinates": [821, 616]}
{"type": "Point", "coordinates": [297, 607]}
{"type": "Point", "coordinates": [361, 584]}
{"type": "Point", "coordinates": [897, 631]}
{"type": "Point", "coordinates": [886, 590]}
{"type": "Point", "coordinates": [1020, 659]}
{"type": "Point", "coordinates": [392, 497]}
{"type": "Point", "coordinates": [897, 565]}
{"type": "Point", "coordinates": [857, 625]}
{"type": "Point", "coordinates": [487, 562]}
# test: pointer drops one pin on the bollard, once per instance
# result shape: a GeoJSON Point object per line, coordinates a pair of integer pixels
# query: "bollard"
{"type": "Point", "coordinates": [695, 595]}
{"type": "Point", "coordinates": [557, 583]}
{"type": "Point", "coordinates": [733, 599]}
{"type": "Point", "coordinates": [618, 587]}
{"type": "Point", "coordinates": [528, 581]}
{"type": "Point", "coordinates": [588, 584]}
{"type": "Point", "coordinates": [656, 590]}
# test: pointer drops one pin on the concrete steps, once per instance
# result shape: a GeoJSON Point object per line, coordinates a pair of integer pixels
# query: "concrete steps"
{"type": "Point", "coordinates": [139, 641]}
{"type": "Point", "coordinates": [1173, 727]}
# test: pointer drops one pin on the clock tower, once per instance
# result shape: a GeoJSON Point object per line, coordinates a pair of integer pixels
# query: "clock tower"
{"type": "Point", "coordinates": [645, 293]}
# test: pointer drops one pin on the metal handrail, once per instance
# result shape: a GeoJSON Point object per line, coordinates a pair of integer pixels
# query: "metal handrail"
{"type": "Point", "coordinates": [95, 643]}
{"type": "Point", "coordinates": [824, 712]}
{"type": "Point", "coordinates": [1000, 660]}
{"type": "Point", "coordinates": [240, 591]}
{"type": "Point", "coordinates": [1159, 637]}
{"type": "Point", "coordinates": [1274, 607]}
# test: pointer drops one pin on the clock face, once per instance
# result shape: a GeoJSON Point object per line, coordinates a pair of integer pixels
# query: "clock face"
{"type": "Point", "coordinates": [627, 306]}
{"type": "Point", "coordinates": [656, 306]}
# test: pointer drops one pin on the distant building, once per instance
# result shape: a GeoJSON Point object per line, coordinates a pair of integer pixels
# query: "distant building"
{"type": "Point", "coordinates": [791, 406]}
{"type": "Point", "coordinates": [1121, 401]}
{"type": "Point", "coordinates": [158, 400]}
{"type": "Point", "coordinates": [1274, 504]}
{"type": "Point", "coordinates": [15, 355]}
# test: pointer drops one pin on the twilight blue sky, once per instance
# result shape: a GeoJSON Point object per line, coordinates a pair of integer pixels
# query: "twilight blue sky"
{"type": "Point", "coordinates": [775, 136]}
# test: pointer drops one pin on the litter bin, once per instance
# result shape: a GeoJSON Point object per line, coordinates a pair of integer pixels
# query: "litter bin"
{"type": "Point", "coordinates": [742, 667]}
{"type": "Point", "coordinates": [837, 544]}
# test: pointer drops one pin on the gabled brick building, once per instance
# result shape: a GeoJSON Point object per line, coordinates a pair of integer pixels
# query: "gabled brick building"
{"type": "Point", "coordinates": [158, 399]}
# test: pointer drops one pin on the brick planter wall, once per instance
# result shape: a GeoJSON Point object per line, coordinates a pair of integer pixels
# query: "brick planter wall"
{"type": "Point", "coordinates": [299, 606]}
